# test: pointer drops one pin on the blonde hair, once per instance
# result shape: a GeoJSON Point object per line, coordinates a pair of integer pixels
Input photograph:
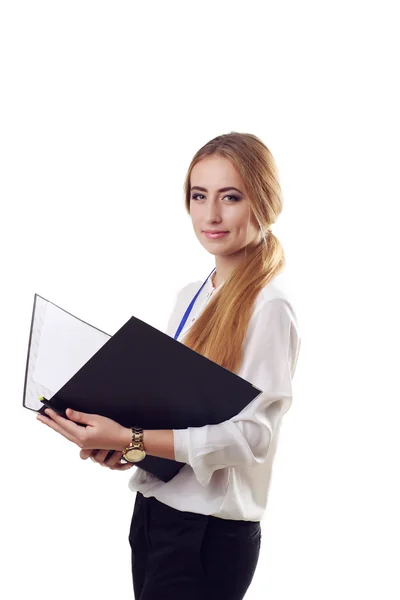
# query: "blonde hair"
{"type": "Point", "coordinates": [219, 331]}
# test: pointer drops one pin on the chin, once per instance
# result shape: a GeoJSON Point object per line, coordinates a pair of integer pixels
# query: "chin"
{"type": "Point", "coordinates": [211, 247]}
{"type": "Point", "coordinates": [213, 251]}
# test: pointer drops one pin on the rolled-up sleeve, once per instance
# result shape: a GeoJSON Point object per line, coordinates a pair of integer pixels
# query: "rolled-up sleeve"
{"type": "Point", "coordinates": [270, 355]}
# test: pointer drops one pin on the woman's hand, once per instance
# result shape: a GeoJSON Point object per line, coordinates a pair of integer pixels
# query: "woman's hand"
{"type": "Point", "coordinates": [99, 432]}
{"type": "Point", "coordinates": [100, 456]}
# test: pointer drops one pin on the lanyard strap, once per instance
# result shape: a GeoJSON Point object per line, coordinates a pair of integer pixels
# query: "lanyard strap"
{"type": "Point", "coordinates": [189, 308]}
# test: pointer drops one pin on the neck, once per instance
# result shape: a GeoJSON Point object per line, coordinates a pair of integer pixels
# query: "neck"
{"type": "Point", "coordinates": [224, 266]}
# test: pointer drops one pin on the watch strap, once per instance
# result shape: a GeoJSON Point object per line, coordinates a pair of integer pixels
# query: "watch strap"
{"type": "Point", "coordinates": [137, 439]}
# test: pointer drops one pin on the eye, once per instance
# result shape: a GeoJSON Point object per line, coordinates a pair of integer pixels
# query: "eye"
{"type": "Point", "coordinates": [234, 198]}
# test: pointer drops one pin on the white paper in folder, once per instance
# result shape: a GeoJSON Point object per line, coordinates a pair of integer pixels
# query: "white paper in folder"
{"type": "Point", "coordinates": [66, 344]}
{"type": "Point", "coordinates": [60, 345]}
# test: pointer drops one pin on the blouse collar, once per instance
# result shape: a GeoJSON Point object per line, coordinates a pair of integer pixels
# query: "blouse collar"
{"type": "Point", "coordinates": [209, 285]}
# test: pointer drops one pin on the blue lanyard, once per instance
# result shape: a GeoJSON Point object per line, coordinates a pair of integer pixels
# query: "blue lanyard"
{"type": "Point", "coordinates": [189, 308]}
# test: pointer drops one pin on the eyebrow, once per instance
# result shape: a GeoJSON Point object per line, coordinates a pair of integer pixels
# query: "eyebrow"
{"type": "Point", "coordinates": [225, 189]}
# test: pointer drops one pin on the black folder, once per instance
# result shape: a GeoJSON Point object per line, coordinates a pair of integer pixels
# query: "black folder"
{"type": "Point", "coordinates": [142, 376]}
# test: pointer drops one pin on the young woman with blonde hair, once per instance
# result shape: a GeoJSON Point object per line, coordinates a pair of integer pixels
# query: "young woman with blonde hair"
{"type": "Point", "coordinates": [199, 535]}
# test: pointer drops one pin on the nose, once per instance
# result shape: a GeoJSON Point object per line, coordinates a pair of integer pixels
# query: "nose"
{"type": "Point", "coordinates": [212, 212]}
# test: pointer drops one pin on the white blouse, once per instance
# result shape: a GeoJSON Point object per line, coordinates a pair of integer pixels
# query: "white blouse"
{"type": "Point", "coordinates": [228, 465]}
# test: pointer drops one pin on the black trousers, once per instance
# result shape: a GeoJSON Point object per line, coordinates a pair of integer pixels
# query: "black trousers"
{"type": "Point", "coordinates": [183, 555]}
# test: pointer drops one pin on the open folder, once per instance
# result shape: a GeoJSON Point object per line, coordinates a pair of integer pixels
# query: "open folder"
{"type": "Point", "coordinates": [138, 376]}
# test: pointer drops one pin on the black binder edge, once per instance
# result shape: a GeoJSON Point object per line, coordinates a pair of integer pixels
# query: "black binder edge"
{"type": "Point", "coordinates": [27, 357]}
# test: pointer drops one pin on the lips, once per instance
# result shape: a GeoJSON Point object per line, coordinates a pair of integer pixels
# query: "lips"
{"type": "Point", "coordinates": [215, 235]}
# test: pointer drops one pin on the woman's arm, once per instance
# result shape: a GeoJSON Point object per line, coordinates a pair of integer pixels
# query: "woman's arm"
{"type": "Point", "coordinates": [270, 358]}
{"type": "Point", "coordinates": [158, 442]}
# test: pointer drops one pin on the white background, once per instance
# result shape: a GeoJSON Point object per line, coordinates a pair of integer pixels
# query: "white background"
{"type": "Point", "coordinates": [103, 105]}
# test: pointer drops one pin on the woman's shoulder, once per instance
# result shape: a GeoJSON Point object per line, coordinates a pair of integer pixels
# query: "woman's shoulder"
{"type": "Point", "coordinates": [185, 294]}
{"type": "Point", "coordinates": [193, 285]}
{"type": "Point", "coordinates": [278, 291]}
{"type": "Point", "coordinates": [278, 287]}
{"type": "Point", "coordinates": [187, 290]}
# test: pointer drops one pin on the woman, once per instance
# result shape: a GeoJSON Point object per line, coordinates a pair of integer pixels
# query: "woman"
{"type": "Point", "coordinates": [199, 535]}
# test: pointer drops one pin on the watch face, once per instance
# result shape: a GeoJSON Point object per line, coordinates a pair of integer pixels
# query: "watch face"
{"type": "Point", "coordinates": [134, 455]}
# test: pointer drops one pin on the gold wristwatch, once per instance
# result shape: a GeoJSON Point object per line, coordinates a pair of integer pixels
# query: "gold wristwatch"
{"type": "Point", "coordinates": [135, 452]}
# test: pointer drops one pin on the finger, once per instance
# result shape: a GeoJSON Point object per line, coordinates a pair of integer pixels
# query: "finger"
{"type": "Point", "coordinates": [68, 426]}
{"type": "Point", "coordinates": [54, 425]}
{"type": "Point", "coordinates": [113, 459]}
{"type": "Point", "coordinates": [80, 417]}
{"type": "Point", "coordinates": [94, 454]}
{"type": "Point", "coordinates": [100, 456]}
{"type": "Point", "coordinates": [84, 454]}
{"type": "Point", "coordinates": [122, 466]}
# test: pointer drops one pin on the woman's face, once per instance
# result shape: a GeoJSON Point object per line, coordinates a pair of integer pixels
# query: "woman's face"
{"type": "Point", "coordinates": [227, 210]}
